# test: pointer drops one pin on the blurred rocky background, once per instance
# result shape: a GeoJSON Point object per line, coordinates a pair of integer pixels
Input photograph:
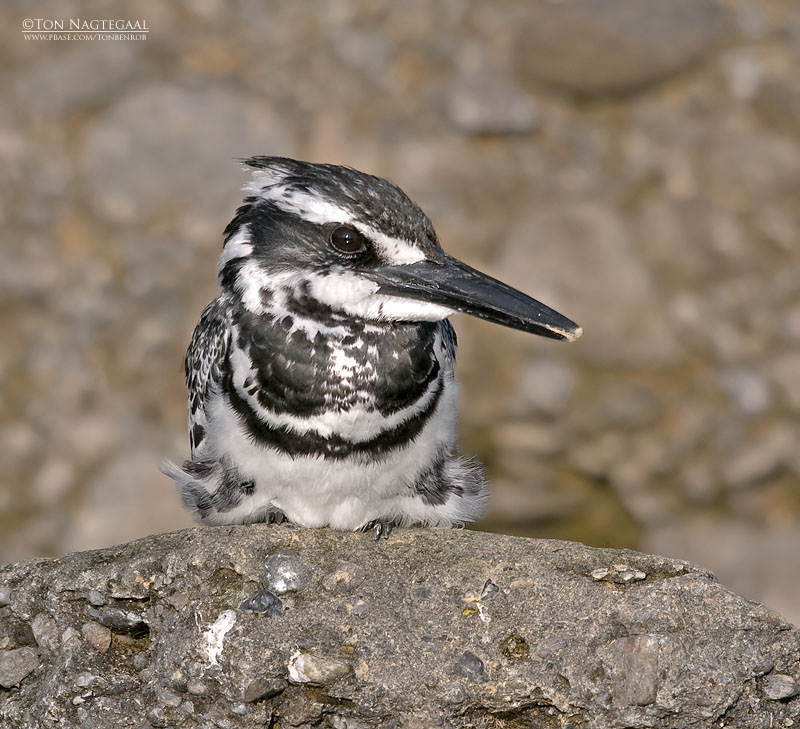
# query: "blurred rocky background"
{"type": "Point", "coordinates": [633, 163]}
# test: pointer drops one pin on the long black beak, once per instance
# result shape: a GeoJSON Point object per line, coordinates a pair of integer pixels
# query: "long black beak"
{"type": "Point", "coordinates": [446, 281]}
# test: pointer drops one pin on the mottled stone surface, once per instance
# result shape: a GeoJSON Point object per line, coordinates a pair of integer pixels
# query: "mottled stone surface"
{"type": "Point", "coordinates": [435, 628]}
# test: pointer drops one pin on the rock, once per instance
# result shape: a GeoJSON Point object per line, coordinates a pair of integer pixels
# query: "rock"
{"type": "Point", "coordinates": [778, 104]}
{"type": "Point", "coordinates": [469, 666]}
{"type": "Point", "coordinates": [690, 237]}
{"type": "Point", "coordinates": [785, 371]}
{"type": "Point", "coordinates": [104, 70]}
{"type": "Point", "coordinates": [286, 573]}
{"type": "Point", "coordinates": [618, 304]}
{"type": "Point", "coordinates": [750, 559]}
{"type": "Point", "coordinates": [120, 487]}
{"type": "Point", "coordinates": [45, 631]}
{"type": "Point", "coordinates": [620, 573]}
{"type": "Point", "coordinates": [748, 169]}
{"type": "Point", "coordinates": [632, 662]}
{"type": "Point", "coordinates": [300, 707]}
{"type": "Point", "coordinates": [99, 636]}
{"type": "Point", "coordinates": [196, 687]}
{"type": "Point", "coordinates": [778, 686]}
{"type": "Point", "coordinates": [85, 679]}
{"type": "Point", "coordinates": [364, 52]}
{"type": "Point", "coordinates": [598, 457]}
{"type": "Point", "coordinates": [748, 389]}
{"type": "Point", "coordinates": [70, 640]}
{"type": "Point", "coordinates": [263, 601]}
{"type": "Point", "coordinates": [263, 688]}
{"type": "Point", "coordinates": [485, 102]}
{"type": "Point", "coordinates": [96, 598]}
{"type": "Point", "coordinates": [627, 407]}
{"type": "Point", "coordinates": [164, 126]}
{"type": "Point", "coordinates": [124, 622]}
{"type": "Point", "coordinates": [699, 481]}
{"type": "Point", "coordinates": [555, 633]}
{"type": "Point", "coordinates": [743, 71]}
{"type": "Point", "coordinates": [760, 457]}
{"type": "Point", "coordinates": [791, 324]}
{"type": "Point", "coordinates": [15, 665]}
{"type": "Point", "coordinates": [526, 438]}
{"type": "Point", "coordinates": [54, 479]}
{"type": "Point", "coordinates": [316, 670]}
{"type": "Point", "coordinates": [546, 386]}
{"type": "Point", "coordinates": [616, 46]}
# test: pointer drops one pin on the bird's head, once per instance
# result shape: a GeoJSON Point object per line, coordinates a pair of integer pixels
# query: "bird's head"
{"type": "Point", "coordinates": [329, 238]}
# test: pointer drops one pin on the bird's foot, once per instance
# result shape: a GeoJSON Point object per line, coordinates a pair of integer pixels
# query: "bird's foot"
{"type": "Point", "coordinates": [273, 515]}
{"type": "Point", "coordinates": [379, 528]}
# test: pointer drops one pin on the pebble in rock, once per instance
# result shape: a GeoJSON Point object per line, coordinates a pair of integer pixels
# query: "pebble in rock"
{"type": "Point", "coordinates": [196, 687]}
{"type": "Point", "coordinates": [301, 708]}
{"type": "Point", "coordinates": [263, 601]}
{"type": "Point", "coordinates": [489, 589]}
{"type": "Point", "coordinates": [96, 598]}
{"type": "Point", "coordinates": [85, 679]}
{"type": "Point", "coordinates": [470, 666]}
{"type": "Point", "coordinates": [98, 636]}
{"type": "Point", "coordinates": [70, 639]}
{"type": "Point", "coordinates": [168, 698]}
{"type": "Point", "coordinates": [5, 595]}
{"type": "Point", "coordinates": [779, 686]}
{"type": "Point", "coordinates": [126, 622]}
{"type": "Point", "coordinates": [619, 573]}
{"type": "Point", "coordinates": [178, 680]}
{"type": "Point", "coordinates": [263, 688]}
{"type": "Point", "coordinates": [286, 572]}
{"type": "Point", "coordinates": [45, 631]}
{"type": "Point", "coordinates": [15, 665]}
{"type": "Point", "coordinates": [157, 717]}
{"type": "Point", "coordinates": [308, 668]}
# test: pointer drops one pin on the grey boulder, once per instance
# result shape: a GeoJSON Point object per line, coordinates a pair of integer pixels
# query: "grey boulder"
{"type": "Point", "coordinates": [428, 628]}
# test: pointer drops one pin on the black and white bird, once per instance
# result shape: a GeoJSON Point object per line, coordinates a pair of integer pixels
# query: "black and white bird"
{"type": "Point", "coordinates": [320, 380]}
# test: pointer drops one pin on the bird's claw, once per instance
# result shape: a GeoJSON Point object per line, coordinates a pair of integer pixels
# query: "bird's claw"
{"type": "Point", "coordinates": [379, 528]}
{"type": "Point", "coordinates": [274, 515]}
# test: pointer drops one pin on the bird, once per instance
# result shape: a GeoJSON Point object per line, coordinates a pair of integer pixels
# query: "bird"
{"type": "Point", "coordinates": [320, 381]}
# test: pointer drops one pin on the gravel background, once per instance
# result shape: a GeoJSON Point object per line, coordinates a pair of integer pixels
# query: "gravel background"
{"type": "Point", "coordinates": [635, 165]}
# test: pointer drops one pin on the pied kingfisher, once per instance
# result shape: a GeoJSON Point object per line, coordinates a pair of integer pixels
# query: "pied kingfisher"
{"type": "Point", "coordinates": [320, 380]}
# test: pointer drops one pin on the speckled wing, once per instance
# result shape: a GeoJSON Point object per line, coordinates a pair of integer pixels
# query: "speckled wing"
{"type": "Point", "coordinates": [204, 360]}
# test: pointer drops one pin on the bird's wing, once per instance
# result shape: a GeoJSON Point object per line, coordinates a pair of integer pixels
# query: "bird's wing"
{"type": "Point", "coordinates": [204, 360]}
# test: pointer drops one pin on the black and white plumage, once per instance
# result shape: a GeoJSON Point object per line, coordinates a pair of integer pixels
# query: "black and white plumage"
{"type": "Point", "coordinates": [320, 381]}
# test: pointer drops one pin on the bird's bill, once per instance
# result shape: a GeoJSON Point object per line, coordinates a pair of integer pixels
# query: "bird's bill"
{"type": "Point", "coordinates": [448, 282]}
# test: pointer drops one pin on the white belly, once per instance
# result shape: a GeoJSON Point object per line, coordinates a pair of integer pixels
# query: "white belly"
{"type": "Point", "coordinates": [342, 493]}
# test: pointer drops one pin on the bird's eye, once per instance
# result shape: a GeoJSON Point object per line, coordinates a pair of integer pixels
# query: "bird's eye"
{"type": "Point", "coordinates": [348, 240]}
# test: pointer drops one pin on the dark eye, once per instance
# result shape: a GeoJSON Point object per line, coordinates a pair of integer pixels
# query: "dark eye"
{"type": "Point", "coordinates": [347, 240]}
